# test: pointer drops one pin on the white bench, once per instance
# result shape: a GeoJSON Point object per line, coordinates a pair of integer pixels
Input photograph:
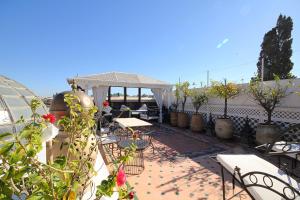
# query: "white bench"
{"type": "Point", "coordinates": [254, 184]}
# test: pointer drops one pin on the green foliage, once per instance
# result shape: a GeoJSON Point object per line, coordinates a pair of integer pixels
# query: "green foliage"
{"type": "Point", "coordinates": [65, 177]}
{"type": "Point", "coordinates": [268, 96]}
{"type": "Point", "coordinates": [225, 91]}
{"type": "Point", "coordinates": [276, 51]}
{"type": "Point", "coordinates": [198, 98]}
{"type": "Point", "coordinates": [107, 186]}
{"type": "Point", "coordinates": [177, 96]}
{"type": "Point", "coordinates": [184, 92]}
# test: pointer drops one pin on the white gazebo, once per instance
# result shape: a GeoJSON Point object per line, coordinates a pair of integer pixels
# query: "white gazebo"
{"type": "Point", "coordinates": [101, 84]}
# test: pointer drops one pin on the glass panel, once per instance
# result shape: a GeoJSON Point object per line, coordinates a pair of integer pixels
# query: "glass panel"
{"type": "Point", "coordinates": [41, 111]}
{"type": "Point", "coordinates": [23, 111]}
{"type": "Point", "coordinates": [15, 101]}
{"type": "Point", "coordinates": [19, 127]}
{"type": "Point", "coordinates": [6, 128]}
{"type": "Point", "coordinates": [7, 91]}
{"type": "Point", "coordinates": [4, 117]}
{"type": "Point", "coordinates": [25, 92]}
{"type": "Point", "coordinates": [14, 84]}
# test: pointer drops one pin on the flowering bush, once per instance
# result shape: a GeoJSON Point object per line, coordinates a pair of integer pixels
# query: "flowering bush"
{"type": "Point", "coordinates": [49, 117]}
{"type": "Point", "coordinates": [105, 104]}
{"type": "Point", "coordinates": [67, 177]}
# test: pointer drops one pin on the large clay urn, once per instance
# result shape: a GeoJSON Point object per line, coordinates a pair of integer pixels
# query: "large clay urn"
{"type": "Point", "coordinates": [60, 144]}
{"type": "Point", "coordinates": [197, 123]}
{"type": "Point", "coordinates": [266, 133]}
{"type": "Point", "coordinates": [183, 120]}
{"type": "Point", "coordinates": [173, 118]}
{"type": "Point", "coordinates": [59, 107]}
{"type": "Point", "coordinates": [224, 128]}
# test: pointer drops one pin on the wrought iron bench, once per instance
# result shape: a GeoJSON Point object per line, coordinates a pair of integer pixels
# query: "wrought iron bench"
{"type": "Point", "coordinates": [259, 178]}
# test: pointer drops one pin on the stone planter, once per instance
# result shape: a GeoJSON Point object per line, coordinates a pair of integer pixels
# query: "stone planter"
{"type": "Point", "coordinates": [183, 120]}
{"type": "Point", "coordinates": [173, 118]}
{"type": "Point", "coordinates": [197, 123]}
{"type": "Point", "coordinates": [266, 133]}
{"type": "Point", "coordinates": [224, 128]}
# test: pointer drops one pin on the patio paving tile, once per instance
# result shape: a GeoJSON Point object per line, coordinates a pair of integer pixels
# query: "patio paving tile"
{"type": "Point", "coordinates": [174, 173]}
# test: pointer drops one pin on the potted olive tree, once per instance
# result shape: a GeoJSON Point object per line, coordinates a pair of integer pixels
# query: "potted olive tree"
{"type": "Point", "coordinates": [224, 125]}
{"type": "Point", "coordinates": [184, 92]}
{"type": "Point", "coordinates": [198, 99]}
{"type": "Point", "coordinates": [173, 113]}
{"type": "Point", "coordinates": [268, 97]}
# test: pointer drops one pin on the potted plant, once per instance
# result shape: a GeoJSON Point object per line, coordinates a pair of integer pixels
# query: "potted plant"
{"type": "Point", "coordinates": [184, 92]}
{"type": "Point", "coordinates": [268, 97]}
{"type": "Point", "coordinates": [198, 99]}
{"type": "Point", "coordinates": [224, 125]}
{"type": "Point", "coordinates": [174, 106]}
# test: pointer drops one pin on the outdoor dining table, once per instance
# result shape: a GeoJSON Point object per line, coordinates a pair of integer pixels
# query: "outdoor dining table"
{"type": "Point", "coordinates": [131, 122]}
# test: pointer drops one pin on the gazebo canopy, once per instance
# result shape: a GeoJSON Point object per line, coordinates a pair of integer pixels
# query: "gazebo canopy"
{"type": "Point", "coordinates": [100, 84]}
{"type": "Point", "coordinates": [118, 79]}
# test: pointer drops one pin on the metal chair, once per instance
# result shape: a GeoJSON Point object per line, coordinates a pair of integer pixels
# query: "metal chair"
{"type": "Point", "coordinates": [255, 179]}
{"type": "Point", "coordinates": [287, 144]}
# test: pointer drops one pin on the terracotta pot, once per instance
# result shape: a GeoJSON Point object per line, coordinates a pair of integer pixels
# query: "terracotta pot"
{"type": "Point", "coordinates": [224, 128]}
{"type": "Point", "coordinates": [173, 118]}
{"type": "Point", "coordinates": [197, 123]}
{"type": "Point", "coordinates": [183, 120]}
{"type": "Point", "coordinates": [266, 133]}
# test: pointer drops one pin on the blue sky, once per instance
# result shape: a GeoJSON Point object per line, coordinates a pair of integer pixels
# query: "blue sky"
{"type": "Point", "coordinates": [44, 42]}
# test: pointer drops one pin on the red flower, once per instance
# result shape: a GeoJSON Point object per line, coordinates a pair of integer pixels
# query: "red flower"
{"type": "Point", "coordinates": [105, 103]}
{"type": "Point", "coordinates": [49, 117]}
{"type": "Point", "coordinates": [131, 195]}
{"type": "Point", "coordinates": [121, 177]}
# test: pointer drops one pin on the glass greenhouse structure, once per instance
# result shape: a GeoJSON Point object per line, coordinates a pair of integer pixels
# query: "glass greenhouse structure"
{"type": "Point", "coordinates": [15, 101]}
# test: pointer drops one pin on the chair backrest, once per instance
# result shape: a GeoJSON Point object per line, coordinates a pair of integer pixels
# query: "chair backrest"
{"type": "Point", "coordinates": [267, 181]}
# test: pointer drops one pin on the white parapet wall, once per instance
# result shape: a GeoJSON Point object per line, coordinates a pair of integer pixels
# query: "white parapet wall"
{"type": "Point", "coordinates": [243, 105]}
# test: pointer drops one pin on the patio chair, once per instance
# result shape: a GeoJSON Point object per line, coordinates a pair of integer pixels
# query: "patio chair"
{"type": "Point", "coordinates": [259, 178]}
{"type": "Point", "coordinates": [287, 145]}
{"type": "Point", "coordinates": [136, 164]}
{"type": "Point", "coordinates": [152, 113]}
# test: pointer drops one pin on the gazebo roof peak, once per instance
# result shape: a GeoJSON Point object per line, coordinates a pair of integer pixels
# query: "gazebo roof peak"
{"type": "Point", "coordinates": [121, 79]}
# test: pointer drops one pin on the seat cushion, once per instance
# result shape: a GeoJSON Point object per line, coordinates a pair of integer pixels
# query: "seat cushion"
{"type": "Point", "coordinates": [248, 163]}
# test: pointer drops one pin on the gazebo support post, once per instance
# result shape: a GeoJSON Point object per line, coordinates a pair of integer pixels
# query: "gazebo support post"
{"type": "Point", "coordinates": [139, 96]}
{"type": "Point", "coordinates": [125, 95]}
{"type": "Point", "coordinates": [109, 95]}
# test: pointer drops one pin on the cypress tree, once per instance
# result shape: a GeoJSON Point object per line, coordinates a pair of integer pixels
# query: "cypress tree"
{"type": "Point", "coordinates": [276, 50]}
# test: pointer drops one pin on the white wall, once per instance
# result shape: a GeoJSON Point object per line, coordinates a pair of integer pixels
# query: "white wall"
{"type": "Point", "coordinates": [244, 105]}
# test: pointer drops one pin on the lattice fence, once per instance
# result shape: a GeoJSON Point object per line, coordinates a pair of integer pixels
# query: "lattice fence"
{"type": "Point", "coordinates": [287, 113]}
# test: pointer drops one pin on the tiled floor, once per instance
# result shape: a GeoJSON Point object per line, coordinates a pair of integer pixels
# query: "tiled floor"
{"type": "Point", "coordinates": [181, 167]}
